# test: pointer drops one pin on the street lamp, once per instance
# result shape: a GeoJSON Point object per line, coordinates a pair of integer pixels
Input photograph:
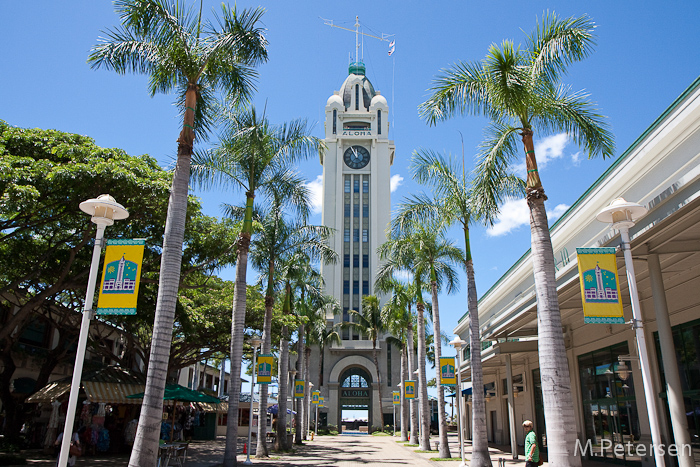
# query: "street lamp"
{"type": "Point", "coordinates": [255, 342]}
{"type": "Point", "coordinates": [420, 412]}
{"type": "Point", "coordinates": [458, 343]}
{"type": "Point", "coordinates": [104, 210]}
{"type": "Point", "coordinates": [295, 407]}
{"type": "Point", "coordinates": [622, 214]}
{"type": "Point", "coordinates": [308, 407]}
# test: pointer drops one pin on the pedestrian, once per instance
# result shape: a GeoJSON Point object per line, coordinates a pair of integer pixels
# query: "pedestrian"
{"type": "Point", "coordinates": [532, 450]}
{"type": "Point", "coordinates": [75, 449]}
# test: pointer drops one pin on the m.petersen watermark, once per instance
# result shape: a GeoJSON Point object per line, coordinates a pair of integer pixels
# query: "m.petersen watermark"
{"type": "Point", "coordinates": [630, 449]}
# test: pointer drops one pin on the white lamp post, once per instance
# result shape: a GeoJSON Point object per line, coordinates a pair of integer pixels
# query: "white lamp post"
{"type": "Point", "coordinates": [458, 343]}
{"type": "Point", "coordinates": [255, 342]}
{"type": "Point", "coordinates": [308, 407]}
{"type": "Point", "coordinates": [295, 408]}
{"type": "Point", "coordinates": [622, 215]}
{"type": "Point", "coordinates": [104, 211]}
{"type": "Point", "coordinates": [420, 415]}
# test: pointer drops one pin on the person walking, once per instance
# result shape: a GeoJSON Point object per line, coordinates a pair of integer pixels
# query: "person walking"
{"type": "Point", "coordinates": [532, 450]}
{"type": "Point", "coordinates": [75, 448]}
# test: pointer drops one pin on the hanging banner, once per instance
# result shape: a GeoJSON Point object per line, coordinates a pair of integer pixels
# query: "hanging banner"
{"type": "Point", "coordinates": [320, 401]}
{"type": "Point", "coordinates": [600, 286]}
{"type": "Point", "coordinates": [299, 388]}
{"type": "Point", "coordinates": [315, 396]}
{"type": "Point", "coordinates": [121, 275]}
{"type": "Point", "coordinates": [397, 397]}
{"type": "Point", "coordinates": [409, 389]}
{"type": "Point", "coordinates": [447, 371]}
{"type": "Point", "coordinates": [265, 368]}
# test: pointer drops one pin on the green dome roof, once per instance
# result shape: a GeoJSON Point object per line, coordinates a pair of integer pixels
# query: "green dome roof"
{"type": "Point", "coordinates": [356, 68]}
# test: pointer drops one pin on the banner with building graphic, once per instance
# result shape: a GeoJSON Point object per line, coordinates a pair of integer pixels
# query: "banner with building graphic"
{"type": "Point", "coordinates": [397, 397]}
{"type": "Point", "coordinates": [409, 389]}
{"type": "Point", "coordinates": [121, 275]}
{"type": "Point", "coordinates": [447, 371]}
{"type": "Point", "coordinates": [265, 362]}
{"type": "Point", "coordinates": [321, 399]}
{"type": "Point", "coordinates": [600, 286]}
{"type": "Point", "coordinates": [315, 397]}
{"type": "Point", "coordinates": [299, 388]}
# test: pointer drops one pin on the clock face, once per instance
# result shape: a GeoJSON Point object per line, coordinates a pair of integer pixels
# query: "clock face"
{"type": "Point", "coordinates": [356, 157]}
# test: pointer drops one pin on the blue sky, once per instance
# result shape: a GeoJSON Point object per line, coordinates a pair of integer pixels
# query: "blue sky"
{"type": "Point", "coordinates": [647, 54]}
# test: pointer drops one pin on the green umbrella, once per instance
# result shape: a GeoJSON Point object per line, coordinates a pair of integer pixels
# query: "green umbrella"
{"type": "Point", "coordinates": [175, 392]}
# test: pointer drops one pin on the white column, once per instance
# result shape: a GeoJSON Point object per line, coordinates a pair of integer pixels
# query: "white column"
{"type": "Point", "coordinates": [674, 391]}
{"type": "Point", "coordinates": [511, 408]}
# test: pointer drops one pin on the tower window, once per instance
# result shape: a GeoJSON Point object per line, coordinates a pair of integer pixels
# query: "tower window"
{"type": "Point", "coordinates": [347, 185]}
{"type": "Point", "coordinates": [365, 287]}
{"type": "Point", "coordinates": [346, 287]}
{"type": "Point", "coordinates": [365, 235]}
{"type": "Point", "coordinates": [356, 287]}
{"type": "Point", "coordinates": [365, 261]}
{"type": "Point", "coordinates": [365, 186]}
{"type": "Point", "coordinates": [355, 261]}
{"type": "Point", "coordinates": [365, 210]}
{"type": "Point", "coordinates": [379, 122]}
{"type": "Point", "coordinates": [357, 186]}
{"type": "Point", "coordinates": [346, 261]}
{"type": "Point", "coordinates": [357, 97]}
{"type": "Point", "coordinates": [356, 210]}
{"type": "Point", "coordinates": [347, 210]}
{"type": "Point", "coordinates": [335, 117]}
{"type": "Point", "coordinates": [355, 235]}
{"type": "Point", "coordinates": [347, 235]}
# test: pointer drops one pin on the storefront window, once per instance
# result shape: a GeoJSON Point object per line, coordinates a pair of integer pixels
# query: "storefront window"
{"type": "Point", "coordinates": [609, 405]}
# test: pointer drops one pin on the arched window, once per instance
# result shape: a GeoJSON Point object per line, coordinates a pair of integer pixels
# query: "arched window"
{"type": "Point", "coordinates": [355, 381]}
{"type": "Point", "coordinates": [357, 97]}
{"type": "Point", "coordinates": [379, 121]}
{"type": "Point", "coordinates": [335, 117]}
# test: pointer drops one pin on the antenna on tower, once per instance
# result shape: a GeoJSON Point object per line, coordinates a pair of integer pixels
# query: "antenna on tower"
{"type": "Point", "coordinates": [358, 33]}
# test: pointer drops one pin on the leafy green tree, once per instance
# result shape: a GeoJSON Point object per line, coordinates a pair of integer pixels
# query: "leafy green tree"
{"type": "Point", "coordinates": [45, 238]}
{"type": "Point", "coordinates": [253, 156]}
{"type": "Point", "coordinates": [519, 90]}
{"type": "Point", "coordinates": [195, 58]}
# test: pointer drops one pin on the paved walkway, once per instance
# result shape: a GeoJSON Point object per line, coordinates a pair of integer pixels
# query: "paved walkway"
{"type": "Point", "coordinates": [341, 451]}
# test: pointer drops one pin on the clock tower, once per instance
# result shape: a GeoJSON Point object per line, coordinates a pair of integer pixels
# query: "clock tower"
{"type": "Point", "coordinates": [356, 204]}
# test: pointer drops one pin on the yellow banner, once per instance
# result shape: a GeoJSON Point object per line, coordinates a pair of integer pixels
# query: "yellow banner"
{"type": "Point", "coordinates": [299, 388]}
{"type": "Point", "coordinates": [397, 397]}
{"type": "Point", "coordinates": [410, 389]}
{"type": "Point", "coordinates": [320, 401]}
{"type": "Point", "coordinates": [265, 368]}
{"type": "Point", "coordinates": [600, 285]}
{"type": "Point", "coordinates": [447, 371]}
{"type": "Point", "coordinates": [315, 397]}
{"type": "Point", "coordinates": [121, 275]}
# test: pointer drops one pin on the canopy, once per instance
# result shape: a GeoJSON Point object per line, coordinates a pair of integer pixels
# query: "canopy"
{"type": "Point", "coordinates": [273, 409]}
{"type": "Point", "coordinates": [175, 392]}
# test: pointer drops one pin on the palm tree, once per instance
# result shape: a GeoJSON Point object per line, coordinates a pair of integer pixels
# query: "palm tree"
{"type": "Point", "coordinates": [369, 321]}
{"type": "Point", "coordinates": [180, 53]}
{"type": "Point", "coordinates": [397, 257]}
{"type": "Point", "coordinates": [276, 238]}
{"type": "Point", "coordinates": [253, 156]}
{"type": "Point", "coordinates": [397, 314]}
{"type": "Point", "coordinates": [519, 90]}
{"type": "Point", "coordinates": [456, 203]}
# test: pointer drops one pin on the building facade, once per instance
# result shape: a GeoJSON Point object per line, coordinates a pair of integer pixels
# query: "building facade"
{"type": "Point", "coordinates": [660, 171]}
{"type": "Point", "coordinates": [356, 204]}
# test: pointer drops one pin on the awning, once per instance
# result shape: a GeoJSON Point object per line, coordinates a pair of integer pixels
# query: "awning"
{"type": "Point", "coordinates": [112, 393]}
{"type": "Point", "coordinates": [49, 393]}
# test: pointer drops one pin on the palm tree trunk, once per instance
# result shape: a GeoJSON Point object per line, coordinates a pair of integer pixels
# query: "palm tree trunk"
{"type": "Point", "coordinates": [145, 449]}
{"type": "Point", "coordinates": [300, 368]}
{"type": "Point", "coordinates": [321, 351]}
{"type": "Point", "coordinates": [282, 376]}
{"type": "Point", "coordinates": [305, 418]}
{"type": "Point", "coordinates": [444, 449]}
{"type": "Point", "coordinates": [411, 369]}
{"type": "Point", "coordinates": [480, 445]}
{"type": "Point", "coordinates": [404, 405]}
{"type": "Point", "coordinates": [554, 366]}
{"type": "Point", "coordinates": [424, 439]}
{"type": "Point", "coordinates": [261, 450]}
{"type": "Point", "coordinates": [237, 328]}
{"type": "Point", "coordinates": [379, 384]}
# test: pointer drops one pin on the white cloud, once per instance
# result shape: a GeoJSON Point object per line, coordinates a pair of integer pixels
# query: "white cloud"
{"type": "Point", "coordinates": [316, 188]}
{"type": "Point", "coordinates": [515, 213]}
{"type": "Point", "coordinates": [404, 276]}
{"type": "Point", "coordinates": [396, 180]}
{"type": "Point", "coordinates": [551, 147]}
{"type": "Point", "coordinates": [576, 158]}
{"type": "Point", "coordinates": [556, 213]}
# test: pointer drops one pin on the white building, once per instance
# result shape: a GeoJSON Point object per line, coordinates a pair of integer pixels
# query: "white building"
{"type": "Point", "coordinates": [356, 203]}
